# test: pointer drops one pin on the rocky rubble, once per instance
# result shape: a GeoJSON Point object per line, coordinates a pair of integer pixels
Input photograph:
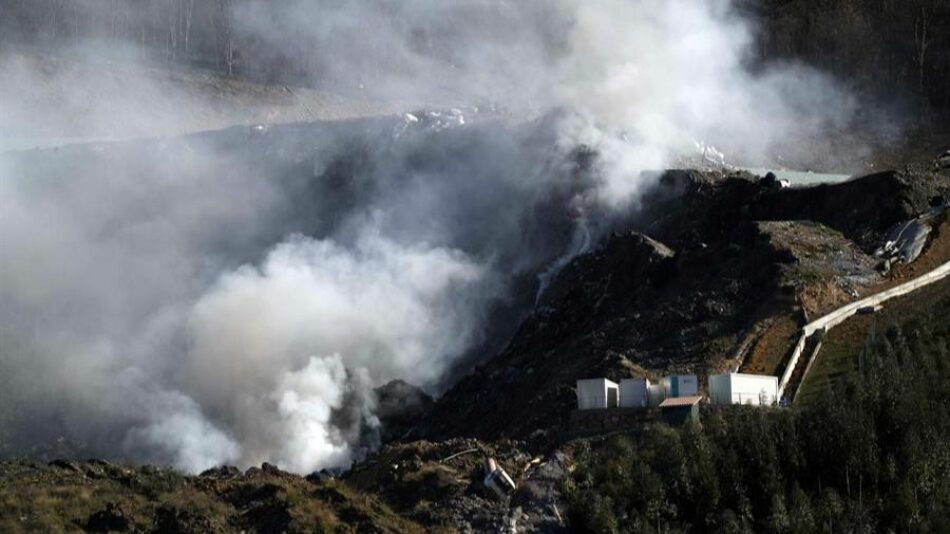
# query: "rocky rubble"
{"type": "Point", "coordinates": [823, 268]}
{"type": "Point", "coordinates": [441, 484]}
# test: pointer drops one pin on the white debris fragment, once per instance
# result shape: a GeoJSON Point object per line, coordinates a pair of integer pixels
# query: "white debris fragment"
{"type": "Point", "coordinates": [709, 155]}
{"type": "Point", "coordinates": [497, 480]}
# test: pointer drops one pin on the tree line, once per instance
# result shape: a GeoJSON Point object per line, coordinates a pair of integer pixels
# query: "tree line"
{"type": "Point", "coordinates": [880, 47]}
{"type": "Point", "coordinates": [192, 32]}
{"type": "Point", "coordinates": [872, 455]}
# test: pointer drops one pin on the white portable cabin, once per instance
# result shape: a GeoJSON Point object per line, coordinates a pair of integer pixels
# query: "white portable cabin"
{"type": "Point", "coordinates": [738, 388]}
{"type": "Point", "coordinates": [633, 393]}
{"type": "Point", "coordinates": [681, 386]}
{"type": "Point", "coordinates": [597, 394]}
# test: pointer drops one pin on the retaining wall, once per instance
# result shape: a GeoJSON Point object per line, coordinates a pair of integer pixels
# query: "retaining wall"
{"type": "Point", "coordinates": [838, 316]}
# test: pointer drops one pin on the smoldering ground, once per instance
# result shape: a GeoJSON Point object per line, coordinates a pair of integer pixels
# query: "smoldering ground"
{"type": "Point", "coordinates": [234, 296]}
{"type": "Point", "coordinates": [216, 298]}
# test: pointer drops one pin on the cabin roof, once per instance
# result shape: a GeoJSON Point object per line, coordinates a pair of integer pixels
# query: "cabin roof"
{"type": "Point", "coordinates": [680, 401]}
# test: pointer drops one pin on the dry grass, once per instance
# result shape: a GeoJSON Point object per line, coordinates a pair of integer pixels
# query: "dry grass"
{"type": "Point", "coordinates": [55, 499]}
{"type": "Point", "coordinates": [773, 346]}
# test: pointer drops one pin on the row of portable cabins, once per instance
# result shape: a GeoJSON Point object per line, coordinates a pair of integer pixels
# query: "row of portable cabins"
{"type": "Point", "coordinates": [728, 388]}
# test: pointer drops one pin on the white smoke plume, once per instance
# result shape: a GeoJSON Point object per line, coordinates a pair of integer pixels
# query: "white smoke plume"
{"type": "Point", "coordinates": [122, 317]}
{"type": "Point", "coordinates": [277, 340]}
{"type": "Point", "coordinates": [160, 301]}
{"type": "Point", "coordinates": [641, 81]}
{"type": "Point", "coordinates": [646, 80]}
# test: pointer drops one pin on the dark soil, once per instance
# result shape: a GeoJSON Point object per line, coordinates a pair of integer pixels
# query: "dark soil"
{"type": "Point", "coordinates": [679, 289]}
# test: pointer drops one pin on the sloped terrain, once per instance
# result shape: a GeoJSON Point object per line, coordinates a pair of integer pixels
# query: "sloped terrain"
{"type": "Point", "coordinates": [727, 263]}
{"type": "Point", "coordinates": [439, 484]}
{"type": "Point", "coordinates": [827, 268]}
{"type": "Point", "coordinates": [406, 487]}
{"type": "Point", "coordinates": [843, 346]}
{"type": "Point", "coordinates": [97, 496]}
{"type": "Point", "coordinates": [707, 276]}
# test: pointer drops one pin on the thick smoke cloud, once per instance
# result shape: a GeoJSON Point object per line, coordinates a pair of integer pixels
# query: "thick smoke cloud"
{"type": "Point", "coordinates": [49, 100]}
{"type": "Point", "coordinates": [162, 302]}
{"type": "Point", "coordinates": [390, 309]}
{"type": "Point", "coordinates": [646, 81]}
{"type": "Point", "coordinates": [100, 261]}
{"type": "Point", "coordinates": [641, 81]}
{"type": "Point", "coordinates": [234, 298]}
{"type": "Point", "coordinates": [469, 51]}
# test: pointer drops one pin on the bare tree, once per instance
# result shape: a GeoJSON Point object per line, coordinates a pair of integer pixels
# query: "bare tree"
{"type": "Point", "coordinates": [923, 39]}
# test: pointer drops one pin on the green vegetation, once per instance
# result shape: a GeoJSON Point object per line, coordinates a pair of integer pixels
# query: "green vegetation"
{"type": "Point", "coordinates": [871, 454]}
{"type": "Point", "coordinates": [843, 346]}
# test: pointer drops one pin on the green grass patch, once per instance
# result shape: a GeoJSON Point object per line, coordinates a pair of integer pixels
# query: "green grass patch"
{"type": "Point", "coordinates": [840, 356]}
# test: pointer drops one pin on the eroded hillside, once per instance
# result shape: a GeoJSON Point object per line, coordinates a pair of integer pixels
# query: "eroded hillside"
{"type": "Point", "coordinates": [714, 273]}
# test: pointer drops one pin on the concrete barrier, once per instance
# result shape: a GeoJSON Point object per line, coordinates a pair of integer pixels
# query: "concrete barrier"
{"type": "Point", "coordinates": [838, 316]}
{"type": "Point", "coordinates": [829, 321]}
{"type": "Point", "coordinates": [811, 362]}
{"type": "Point", "coordinates": [792, 364]}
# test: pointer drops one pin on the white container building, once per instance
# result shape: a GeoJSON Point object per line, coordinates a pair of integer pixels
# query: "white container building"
{"type": "Point", "coordinates": [633, 393]}
{"type": "Point", "coordinates": [597, 394]}
{"type": "Point", "coordinates": [681, 386]}
{"type": "Point", "coordinates": [738, 388]}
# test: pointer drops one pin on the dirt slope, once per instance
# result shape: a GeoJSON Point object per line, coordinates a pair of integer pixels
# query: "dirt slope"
{"type": "Point", "coordinates": [634, 307]}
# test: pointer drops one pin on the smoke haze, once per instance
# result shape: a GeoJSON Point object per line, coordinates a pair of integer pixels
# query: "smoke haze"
{"type": "Point", "coordinates": [234, 297]}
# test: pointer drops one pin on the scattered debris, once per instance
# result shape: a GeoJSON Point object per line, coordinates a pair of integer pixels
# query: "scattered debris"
{"type": "Point", "coordinates": [497, 480]}
{"type": "Point", "coordinates": [456, 455]}
{"type": "Point", "coordinates": [942, 163]}
{"type": "Point", "coordinates": [527, 466]}
{"type": "Point", "coordinates": [710, 156]}
{"type": "Point", "coordinates": [905, 242]}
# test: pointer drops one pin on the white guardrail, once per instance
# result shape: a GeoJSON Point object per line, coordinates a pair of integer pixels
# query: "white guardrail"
{"type": "Point", "coordinates": [838, 316]}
